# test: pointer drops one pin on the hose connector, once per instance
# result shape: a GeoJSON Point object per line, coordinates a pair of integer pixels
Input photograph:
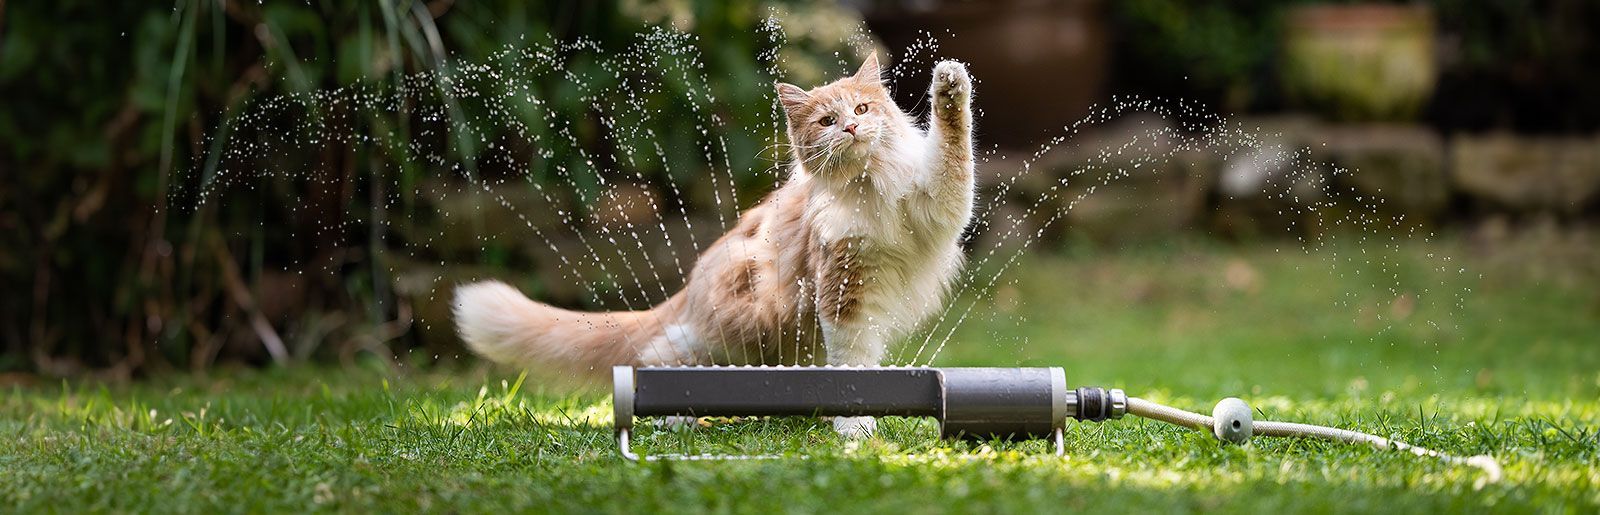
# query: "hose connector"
{"type": "Point", "coordinates": [1095, 404]}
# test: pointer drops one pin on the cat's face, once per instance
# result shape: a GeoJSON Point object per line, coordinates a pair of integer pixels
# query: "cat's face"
{"type": "Point", "coordinates": [840, 123]}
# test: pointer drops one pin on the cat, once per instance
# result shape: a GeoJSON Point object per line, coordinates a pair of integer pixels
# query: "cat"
{"type": "Point", "coordinates": [860, 244]}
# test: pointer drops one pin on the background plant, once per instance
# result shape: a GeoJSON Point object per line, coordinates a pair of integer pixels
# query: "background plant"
{"type": "Point", "coordinates": [116, 122]}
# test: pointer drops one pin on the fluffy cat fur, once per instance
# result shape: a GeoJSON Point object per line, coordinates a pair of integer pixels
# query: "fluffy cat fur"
{"type": "Point", "coordinates": [859, 245]}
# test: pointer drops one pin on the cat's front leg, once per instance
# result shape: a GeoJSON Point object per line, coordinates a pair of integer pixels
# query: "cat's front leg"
{"type": "Point", "coordinates": [850, 345]}
{"type": "Point", "coordinates": [853, 346]}
{"type": "Point", "coordinates": [850, 334]}
{"type": "Point", "coordinates": [855, 352]}
{"type": "Point", "coordinates": [950, 130]}
{"type": "Point", "coordinates": [952, 94]}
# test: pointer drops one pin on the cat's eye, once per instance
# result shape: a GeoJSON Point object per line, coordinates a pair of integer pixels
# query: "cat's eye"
{"type": "Point", "coordinates": [826, 121]}
{"type": "Point", "coordinates": [861, 109]}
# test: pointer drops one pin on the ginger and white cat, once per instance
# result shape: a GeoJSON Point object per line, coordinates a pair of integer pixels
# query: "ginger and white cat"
{"type": "Point", "coordinates": [859, 244]}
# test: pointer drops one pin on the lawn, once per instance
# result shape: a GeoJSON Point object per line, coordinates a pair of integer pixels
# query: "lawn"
{"type": "Point", "coordinates": [1466, 346]}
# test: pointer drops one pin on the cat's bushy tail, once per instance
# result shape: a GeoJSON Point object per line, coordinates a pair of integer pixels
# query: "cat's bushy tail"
{"type": "Point", "coordinates": [499, 323]}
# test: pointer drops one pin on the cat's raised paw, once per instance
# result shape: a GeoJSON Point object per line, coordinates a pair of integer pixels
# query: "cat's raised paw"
{"type": "Point", "coordinates": [855, 428]}
{"type": "Point", "coordinates": [951, 81]}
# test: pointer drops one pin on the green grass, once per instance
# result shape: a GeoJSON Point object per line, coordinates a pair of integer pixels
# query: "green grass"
{"type": "Point", "coordinates": [1511, 367]}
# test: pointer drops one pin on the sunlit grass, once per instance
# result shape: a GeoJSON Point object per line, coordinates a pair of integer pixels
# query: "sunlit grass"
{"type": "Point", "coordinates": [1511, 371]}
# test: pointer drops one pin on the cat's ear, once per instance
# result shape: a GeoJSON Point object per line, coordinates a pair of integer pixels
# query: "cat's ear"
{"type": "Point", "coordinates": [870, 71]}
{"type": "Point", "coordinates": [791, 96]}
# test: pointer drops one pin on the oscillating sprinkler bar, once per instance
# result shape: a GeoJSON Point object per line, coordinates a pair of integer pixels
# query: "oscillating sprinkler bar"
{"type": "Point", "coordinates": [1011, 403]}
{"type": "Point", "coordinates": [972, 402]}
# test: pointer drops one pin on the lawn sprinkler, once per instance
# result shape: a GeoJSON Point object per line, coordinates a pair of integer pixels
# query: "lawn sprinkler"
{"type": "Point", "coordinates": [973, 403]}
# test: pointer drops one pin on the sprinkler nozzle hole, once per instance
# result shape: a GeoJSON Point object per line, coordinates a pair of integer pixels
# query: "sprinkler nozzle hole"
{"type": "Point", "coordinates": [1232, 422]}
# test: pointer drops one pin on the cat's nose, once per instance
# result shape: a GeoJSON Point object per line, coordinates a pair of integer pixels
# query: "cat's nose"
{"type": "Point", "coordinates": [850, 129]}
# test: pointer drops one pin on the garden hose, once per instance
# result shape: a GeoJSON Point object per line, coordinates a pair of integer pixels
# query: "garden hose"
{"type": "Point", "coordinates": [1231, 422]}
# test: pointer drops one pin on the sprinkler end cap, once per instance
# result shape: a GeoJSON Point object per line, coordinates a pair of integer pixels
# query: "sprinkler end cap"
{"type": "Point", "coordinates": [1232, 422]}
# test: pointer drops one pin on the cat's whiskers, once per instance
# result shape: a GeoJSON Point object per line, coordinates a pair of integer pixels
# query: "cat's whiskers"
{"type": "Point", "coordinates": [833, 151]}
{"type": "Point", "coordinates": [815, 161]}
{"type": "Point", "coordinates": [805, 157]}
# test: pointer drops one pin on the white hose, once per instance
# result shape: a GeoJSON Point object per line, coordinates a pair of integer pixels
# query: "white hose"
{"type": "Point", "coordinates": [1168, 414]}
{"type": "Point", "coordinates": [1175, 416]}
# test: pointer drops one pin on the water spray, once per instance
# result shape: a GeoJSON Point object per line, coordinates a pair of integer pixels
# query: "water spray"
{"type": "Point", "coordinates": [973, 403]}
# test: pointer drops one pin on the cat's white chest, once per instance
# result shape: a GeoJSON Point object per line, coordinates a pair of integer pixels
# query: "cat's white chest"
{"type": "Point", "coordinates": [871, 218]}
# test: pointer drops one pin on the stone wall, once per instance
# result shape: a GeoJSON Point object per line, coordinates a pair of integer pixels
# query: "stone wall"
{"type": "Point", "coordinates": [1287, 175]}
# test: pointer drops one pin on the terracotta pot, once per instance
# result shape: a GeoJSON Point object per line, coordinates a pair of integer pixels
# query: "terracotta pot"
{"type": "Point", "coordinates": [1360, 62]}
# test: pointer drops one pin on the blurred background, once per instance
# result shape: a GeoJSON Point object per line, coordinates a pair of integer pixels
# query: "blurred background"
{"type": "Point", "coordinates": [131, 245]}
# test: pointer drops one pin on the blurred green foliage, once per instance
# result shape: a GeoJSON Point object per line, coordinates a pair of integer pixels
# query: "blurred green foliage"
{"type": "Point", "coordinates": [1516, 64]}
{"type": "Point", "coordinates": [115, 121]}
{"type": "Point", "coordinates": [1505, 64]}
{"type": "Point", "coordinates": [1218, 50]}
